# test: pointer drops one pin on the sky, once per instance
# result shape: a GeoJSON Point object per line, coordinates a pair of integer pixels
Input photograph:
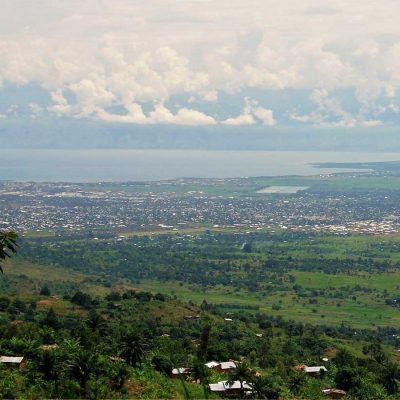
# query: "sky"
{"type": "Point", "coordinates": [330, 63]}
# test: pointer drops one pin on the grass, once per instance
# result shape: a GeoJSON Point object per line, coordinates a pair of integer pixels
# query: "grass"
{"type": "Point", "coordinates": [44, 273]}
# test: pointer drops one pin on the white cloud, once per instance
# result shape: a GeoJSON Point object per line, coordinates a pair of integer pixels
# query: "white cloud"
{"type": "Point", "coordinates": [121, 53]}
{"type": "Point", "coordinates": [35, 109]}
{"type": "Point", "coordinates": [265, 115]}
{"type": "Point", "coordinates": [211, 96]}
{"type": "Point", "coordinates": [243, 119]}
{"type": "Point", "coordinates": [160, 115]}
{"type": "Point", "coordinates": [184, 116]}
{"type": "Point", "coordinates": [330, 113]}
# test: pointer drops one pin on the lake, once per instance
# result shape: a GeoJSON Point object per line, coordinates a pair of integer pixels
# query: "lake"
{"type": "Point", "coordinates": [141, 165]}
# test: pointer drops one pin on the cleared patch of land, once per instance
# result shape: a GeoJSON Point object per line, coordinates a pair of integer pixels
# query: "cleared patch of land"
{"type": "Point", "coordinates": [282, 189]}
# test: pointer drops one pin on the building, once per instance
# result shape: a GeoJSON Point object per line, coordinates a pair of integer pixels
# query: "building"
{"type": "Point", "coordinates": [179, 372]}
{"type": "Point", "coordinates": [229, 388]}
{"type": "Point", "coordinates": [312, 371]}
{"type": "Point", "coordinates": [226, 366]}
{"type": "Point", "coordinates": [211, 364]}
{"type": "Point", "coordinates": [18, 362]}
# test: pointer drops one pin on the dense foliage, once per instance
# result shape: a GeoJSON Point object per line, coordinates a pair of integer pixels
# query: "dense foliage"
{"type": "Point", "coordinates": [126, 344]}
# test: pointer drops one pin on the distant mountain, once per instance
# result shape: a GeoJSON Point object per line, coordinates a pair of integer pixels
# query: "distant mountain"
{"type": "Point", "coordinates": [78, 133]}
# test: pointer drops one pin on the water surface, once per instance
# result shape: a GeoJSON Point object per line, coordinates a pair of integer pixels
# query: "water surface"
{"type": "Point", "coordinates": [141, 165]}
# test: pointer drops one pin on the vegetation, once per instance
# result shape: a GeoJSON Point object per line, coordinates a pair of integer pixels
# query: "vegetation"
{"type": "Point", "coordinates": [127, 348]}
{"type": "Point", "coordinates": [323, 279]}
{"type": "Point", "coordinates": [8, 245]}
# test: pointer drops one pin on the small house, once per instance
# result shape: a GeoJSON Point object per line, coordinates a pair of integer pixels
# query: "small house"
{"type": "Point", "coordinates": [230, 388]}
{"type": "Point", "coordinates": [178, 372]}
{"type": "Point", "coordinates": [313, 371]}
{"type": "Point", "coordinates": [18, 362]}
{"type": "Point", "coordinates": [226, 366]}
{"type": "Point", "coordinates": [211, 364]}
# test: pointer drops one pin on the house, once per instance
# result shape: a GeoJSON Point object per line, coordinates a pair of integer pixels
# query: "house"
{"type": "Point", "coordinates": [229, 388]}
{"type": "Point", "coordinates": [211, 364]}
{"type": "Point", "coordinates": [178, 372]}
{"type": "Point", "coordinates": [12, 361]}
{"type": "Point", "coordinates": [313, 371]}
{"type": "Point", "coordinates": [334, 393]}
{"type": "Point", "coordinates": [226, 366]}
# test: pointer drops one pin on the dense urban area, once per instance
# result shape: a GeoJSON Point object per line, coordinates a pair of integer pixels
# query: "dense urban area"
{"type": "Point", "coordinates": [179, 204]}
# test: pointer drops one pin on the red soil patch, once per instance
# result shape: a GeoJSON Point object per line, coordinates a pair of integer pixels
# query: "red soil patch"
{"type": "Point", "coordinates": [45, 302]}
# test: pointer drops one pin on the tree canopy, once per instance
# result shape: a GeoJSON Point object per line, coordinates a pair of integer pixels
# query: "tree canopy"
{"type": "Point", "coordinates": [8, 246]}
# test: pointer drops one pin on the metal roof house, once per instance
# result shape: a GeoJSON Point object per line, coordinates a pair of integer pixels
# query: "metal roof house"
{"type": "Point", "coordinates": [229, 388]}
{"type": "Point", "coordinates": [12, 361]}
{"type": "Point", "coordinates": [225, 366]}
{"type": "Point", "coordinates": [315, 370]}
{"type": "Point", "coordinates": [177, 372]}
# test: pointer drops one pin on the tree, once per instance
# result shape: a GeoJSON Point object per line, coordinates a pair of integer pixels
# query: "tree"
{"type": "Point", "coordinates": [8, 246]}
{"type": "Point", "coordinates": [264, 388]}
{"type": "Point", "coordinates": [241, 373]}
{"type": "Point", "coordinates": [95, 321]}
{"type": "Point", "coordinates": [133, 348]}
{"type": "Point", "coordinates": [246, 247]}
{"type": "Point", "coordinates": [205, 337]}
{"type": "Point", "coordinates": [48, 365]}
{"type": "Point", "coordinates": [83, 365]}
{"type": "Point", "coordinates": [45, 291]}
{"type": "Point", "coordinates": [390, 376]}
{"type": "Point", "coordinates": [51, 319]}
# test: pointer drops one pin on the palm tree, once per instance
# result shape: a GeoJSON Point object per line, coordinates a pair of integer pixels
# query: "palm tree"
{"type": "Point", "coordinates": [48, 365]}
{"type": "Point", "coordinates": [241, 373]}
{"type": "Point", "coordinates": [263, 388]}
{"type": "Point", "coordinates": [95, 321]}
{"type": "Point", "coordinates": [83, 365]}
{"type": "Point", "coordinates": [390, 376]}
{"type": "Point", "coordinates": [133, 348]}
{"type": "Point", "coordinates": [8, 245]}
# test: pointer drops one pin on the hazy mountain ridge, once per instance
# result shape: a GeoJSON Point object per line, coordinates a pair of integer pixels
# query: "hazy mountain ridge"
{"type": "Point", "coordinates": [74, 133]}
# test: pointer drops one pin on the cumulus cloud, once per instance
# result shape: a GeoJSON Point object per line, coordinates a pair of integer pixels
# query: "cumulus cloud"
{"type": "Point", "coordinates": [160, 115]}
{"type": "Point", "coordinates": [243, 119]}
{"type": "Point", "coordinates": [331, 113]}
{"type": "Point", "coordinates": [265, 115]}
{"type": "Point", "coordinates": [251, 113]}
{"type": "Point", "coordinates": [94, 56]}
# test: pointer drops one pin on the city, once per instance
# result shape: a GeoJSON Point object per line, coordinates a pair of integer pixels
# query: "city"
{"type": "Point", "coordinates": [168, 205]}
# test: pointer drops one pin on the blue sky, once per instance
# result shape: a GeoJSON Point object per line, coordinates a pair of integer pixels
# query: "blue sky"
{"type": "Point", "coordinates": [329, 63]}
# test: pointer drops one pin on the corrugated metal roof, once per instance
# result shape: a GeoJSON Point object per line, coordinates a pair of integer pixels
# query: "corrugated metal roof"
{"type": "Point", "coordinates": [13, 360]}
{"type": "Point", "coordinates": [177, 371]}
{"type": "Point", "coordinates": [228, 365]}
{"type": "Point", "coordinates": [315, 369]}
